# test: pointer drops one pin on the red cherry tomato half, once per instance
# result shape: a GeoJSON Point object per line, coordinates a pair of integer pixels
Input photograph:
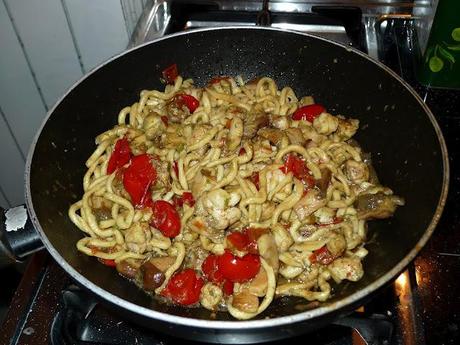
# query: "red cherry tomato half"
{"type": "Point", "coordinates": [228, 287]}
{"type": "Point", "coordinates": [308, 181]}
{"type": "Point", "coordinates": [295, 165]}
{"type": "Point", "coordinates": [298, 168]}
{"type": "Point", "coordinates": [247, 239]}
{"type": "Point", "coordinates": [322, 255]}
{"type": "Point", "coordinates": [308, 112]}
{"type": "Point", "coordinates": [238, 240]}
{"type": "Point", "coordinates": [170, 74]}
{"type": "Point", "coordinates": [238, 269]}
{"type": "Point", "coordinates": [210, 269]}
{"type": "Point", "coordinates": [165, 218]}
{"type": "Point", "coordinates": [254, 234]}
{"type": "Point", "coordinates": [184, 287]}
{"type": "Point", "coordinates": [186, 198]}
{"type": "Point", "coordinates": [138, 177]}
{"type": "Point", "coordinates": [108, 262]}
{"type": "Point", "coordinates": [189, 101]}
{"type": "Point", "coordinates": [120, 156]}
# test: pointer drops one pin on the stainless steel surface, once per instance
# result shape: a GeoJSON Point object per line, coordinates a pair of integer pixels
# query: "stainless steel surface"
{"type": "Point", "coordinates": [156, 16]}
{"type": "Point", "coordinates": [310, 28]}
{"type": "Point", "coordinates": [154, 21]}
{"type": "Point", "coordinates": [424, 15]}
{"type": "Point", "coordinates": [333, 32]}
{"type": "Point", "coordinates": [197, 24]}
{"type": "Point", "coordinates": [152, 24]}
{"type": "Point", "coordinates": [373, 6]}
{"type": "Point", "coordinates": [371, 36]}
{"type": "Point", "coordinates": [373, 30]}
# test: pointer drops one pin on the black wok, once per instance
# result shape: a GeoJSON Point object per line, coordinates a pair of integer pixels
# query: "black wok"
{"type": "Point", "coordinates": [408, 149]}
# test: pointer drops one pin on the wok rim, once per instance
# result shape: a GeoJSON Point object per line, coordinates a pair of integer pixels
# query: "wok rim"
{"type": "Point", "coordinates": [242, 324]}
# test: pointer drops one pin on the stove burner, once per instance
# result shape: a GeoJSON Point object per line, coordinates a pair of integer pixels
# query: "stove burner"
{"type": "Point", "coordinates": [82, 320]}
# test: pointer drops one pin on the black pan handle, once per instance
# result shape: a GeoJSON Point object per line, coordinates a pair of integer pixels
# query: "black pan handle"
{"type": "Point", "coordinates": [18, 237]}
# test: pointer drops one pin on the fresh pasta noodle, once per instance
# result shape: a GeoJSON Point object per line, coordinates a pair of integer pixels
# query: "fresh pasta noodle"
{"type": "Point", "coordinates": [229, 196]}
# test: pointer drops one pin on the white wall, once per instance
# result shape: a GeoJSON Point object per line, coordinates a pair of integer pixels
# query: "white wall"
{"type": "Point", "coordinates": [45, 46]}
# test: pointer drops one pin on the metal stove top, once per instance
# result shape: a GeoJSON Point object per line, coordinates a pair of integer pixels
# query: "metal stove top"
{"type": "Point", "coordinates": [352, 22]}
{"type": "Point", "coordinates": [420, 307]}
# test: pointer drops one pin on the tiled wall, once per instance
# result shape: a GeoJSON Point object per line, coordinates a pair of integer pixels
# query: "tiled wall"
{"type": "Point", "coordinates": [45, 46]}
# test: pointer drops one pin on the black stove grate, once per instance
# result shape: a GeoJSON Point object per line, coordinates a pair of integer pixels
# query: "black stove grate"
{"type": "Point", "coordinates": [81, 320]}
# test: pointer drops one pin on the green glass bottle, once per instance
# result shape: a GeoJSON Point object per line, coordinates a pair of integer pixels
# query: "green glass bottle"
{"type": "Point", "coordinates": [440, 66]}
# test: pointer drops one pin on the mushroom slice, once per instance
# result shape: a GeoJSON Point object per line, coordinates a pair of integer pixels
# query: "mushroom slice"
{"type": "Point", "coordinates": [268, 250]}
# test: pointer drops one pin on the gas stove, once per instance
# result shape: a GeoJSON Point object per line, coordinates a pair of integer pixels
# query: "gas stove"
{"type": "Point", "coordinates": [420, 307]}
